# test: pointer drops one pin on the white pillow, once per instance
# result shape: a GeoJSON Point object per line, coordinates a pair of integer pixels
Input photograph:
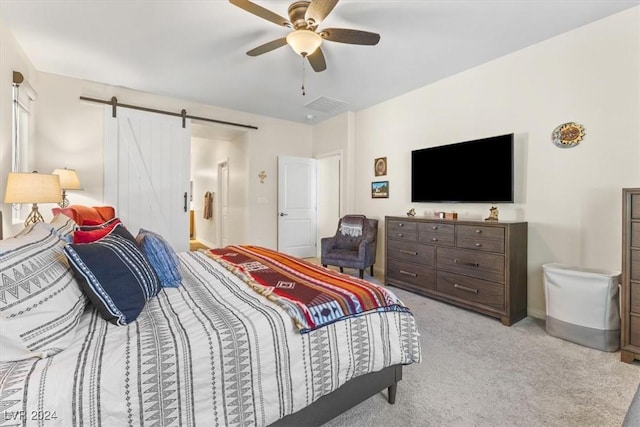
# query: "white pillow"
{"type": "Point", "coordinates": [40, 299]}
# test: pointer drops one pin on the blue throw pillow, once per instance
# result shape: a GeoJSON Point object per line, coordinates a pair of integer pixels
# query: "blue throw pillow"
{"type": "Point", "coordinates": [161, 256]}
{"type": "Point", "coordinates": [114, 274]}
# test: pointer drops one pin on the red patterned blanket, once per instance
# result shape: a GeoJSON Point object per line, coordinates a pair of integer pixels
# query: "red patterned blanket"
{"type": "Point", "coordinates": [313, 295]}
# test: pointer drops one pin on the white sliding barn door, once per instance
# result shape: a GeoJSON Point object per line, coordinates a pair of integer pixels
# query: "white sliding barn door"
{"type": "Point", "coordinates": [147, 172]}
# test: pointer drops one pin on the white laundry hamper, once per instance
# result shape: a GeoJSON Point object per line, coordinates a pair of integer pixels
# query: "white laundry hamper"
{"type": "Point", "coordinates": [582, 305]}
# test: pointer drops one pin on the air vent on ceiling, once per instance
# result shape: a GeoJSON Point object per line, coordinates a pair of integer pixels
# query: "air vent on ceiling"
{"type": "Point", "coordinates": [326, 105]}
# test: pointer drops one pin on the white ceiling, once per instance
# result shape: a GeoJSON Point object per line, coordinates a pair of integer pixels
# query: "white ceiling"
{"type": "Point", "coordinates": [195, 50]}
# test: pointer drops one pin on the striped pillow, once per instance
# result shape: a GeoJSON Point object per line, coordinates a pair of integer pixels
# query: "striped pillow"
{"type": "Point", "coordinates": [40, 300]}
{"type": "Point", "coordinates": [61, 225]}
{"type": "Point", "coordinates": [114, 274]}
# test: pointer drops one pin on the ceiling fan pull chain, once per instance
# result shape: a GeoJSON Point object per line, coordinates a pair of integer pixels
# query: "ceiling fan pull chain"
{"type": "Point", "coordinates": [303, 76]}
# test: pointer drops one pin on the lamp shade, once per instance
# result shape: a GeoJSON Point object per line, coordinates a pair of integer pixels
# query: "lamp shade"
{"type": "Point", "coordinates": [33, 188]}
{"type": "Point", "coordinates": [68, 179]}
{"type": "Point", "coordinates": [304, 42]}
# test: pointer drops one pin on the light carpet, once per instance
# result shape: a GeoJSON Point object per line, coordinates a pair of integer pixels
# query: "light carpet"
{"type": "Point", "coordinates": [477, 372]}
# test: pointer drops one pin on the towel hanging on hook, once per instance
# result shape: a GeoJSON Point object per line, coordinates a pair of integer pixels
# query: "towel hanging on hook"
{"type": "Point", "coordinates": [208, 205]}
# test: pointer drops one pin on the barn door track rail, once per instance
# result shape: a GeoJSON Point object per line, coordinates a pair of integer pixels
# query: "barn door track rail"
{"type": "Point", "coordinates": [114, 104]}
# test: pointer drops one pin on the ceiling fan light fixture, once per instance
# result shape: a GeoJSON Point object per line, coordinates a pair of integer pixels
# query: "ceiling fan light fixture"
{"type": "Point", "coordinates": [304, 42]}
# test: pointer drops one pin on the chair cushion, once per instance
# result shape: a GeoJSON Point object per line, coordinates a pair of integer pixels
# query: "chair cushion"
{"type": "Point", "coordinates": [344, 255]}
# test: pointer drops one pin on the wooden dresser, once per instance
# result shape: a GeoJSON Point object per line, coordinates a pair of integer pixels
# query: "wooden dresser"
{"type": "Point", "coordinates": [630, 290]}
{"type": "Point", "coordinates": [478, 265]}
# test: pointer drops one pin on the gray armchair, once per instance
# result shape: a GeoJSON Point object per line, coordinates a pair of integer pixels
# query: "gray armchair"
{"type": "Point", "coordinates": [353, 245]}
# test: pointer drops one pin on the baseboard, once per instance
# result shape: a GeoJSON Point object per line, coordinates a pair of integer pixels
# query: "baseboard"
{"type": "Point", "coordinates": [206, 243]}
{"type": "Point", "coordinates": [538, 314]}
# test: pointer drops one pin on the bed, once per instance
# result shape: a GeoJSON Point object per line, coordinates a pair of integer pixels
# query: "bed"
{"type": "Point", "coordinates": [215, 349]}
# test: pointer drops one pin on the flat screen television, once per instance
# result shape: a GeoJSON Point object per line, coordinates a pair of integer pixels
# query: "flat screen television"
{"type": "Point", "coordinates": [478, 171]}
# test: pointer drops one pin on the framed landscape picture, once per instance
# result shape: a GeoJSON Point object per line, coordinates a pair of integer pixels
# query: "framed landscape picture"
{"type": "Point", "coordinates": [380, 190]}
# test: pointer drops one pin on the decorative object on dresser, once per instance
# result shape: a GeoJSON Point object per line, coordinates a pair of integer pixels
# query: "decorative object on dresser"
{"type": "Point", "coordinates": [68, 181]}
{"type": "Point", "coordinates": [33, 188]}
{"type": "Point", "coordinates": [493, 214]}
{"type": "Point", "coordinates": [630, 290]}
{"type": "Point", "coordinates": [473, 264]}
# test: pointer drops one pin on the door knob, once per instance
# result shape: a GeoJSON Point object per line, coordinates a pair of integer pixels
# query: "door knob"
{"type": "Point", "coordinates": [283, 214]}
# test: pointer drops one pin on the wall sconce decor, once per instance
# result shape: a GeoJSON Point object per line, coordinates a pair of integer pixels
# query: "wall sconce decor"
{"type": "Point", "coordinates": [262, 175]}
{"type": "Point", "coordinates": [68, 181]}
{"type": "Point", "coordinates": [33, 188]}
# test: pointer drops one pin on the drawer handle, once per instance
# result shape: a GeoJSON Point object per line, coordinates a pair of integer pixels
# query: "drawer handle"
{"type": "Point", "coordinates": [478, 231]}
{"type": "Point", "coordinates": [400, 224]}
{"type": "Point", "coordinates": [434, 239]}
{"type": "Point", "coordinates": [406, 273]}
{"type": "Point", "coordinates": [471, 264]}
{"type": "Point", "coordinates": [464, 288]}
{"type": "Point", "coordinates": [478, 245]}
{"type": "Point", "coordinates": [400, 234]}
{"type": "Point", "coordinates": [435, 227]}
{"type": "Point", "coordinates": [404, 251]}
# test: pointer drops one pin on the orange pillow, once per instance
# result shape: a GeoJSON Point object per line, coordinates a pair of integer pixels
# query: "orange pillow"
{"type": "Point", "coordinates": [81, 213]}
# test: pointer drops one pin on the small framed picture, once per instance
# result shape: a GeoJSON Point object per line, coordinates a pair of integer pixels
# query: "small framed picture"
{"type": "Point", "coordinates": [380, 190]}
{"type": "Point", "coordinates": [380, 166]}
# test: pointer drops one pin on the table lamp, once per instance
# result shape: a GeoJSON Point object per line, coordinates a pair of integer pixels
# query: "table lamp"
{"type": "Point", "coordinates": [68, 181]}
{"type": "Point", "coordinates": [33, 188]}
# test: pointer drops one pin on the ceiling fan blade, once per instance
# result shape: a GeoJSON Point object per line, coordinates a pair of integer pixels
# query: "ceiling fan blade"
{"type": "Point", "coordinates": [316, 59]}
{"type": "Point", "coordinates": [261, 12]}
{"type": "Point", "coordinates": [268, 47]}
{"type": "Point", "coordinates": [343, 35]}
{"type": "Point", "coordinates": [318, 10]}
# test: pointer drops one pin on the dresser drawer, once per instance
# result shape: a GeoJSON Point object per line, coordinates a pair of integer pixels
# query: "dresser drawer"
{"type": "Point", "coordinates": [635, 206]}
{"type": "Point", "coordinates": [482, 265]}
{"type": "Point", "coordinates": [635, 264]}
{"type": "Point", "coordinates": [416, 275]}
{"type": "Point", "coordinates": [635, 234]}
{"type": "Point", "coordinates": [481, 244]}
{"type": "Point", "coordinates": [634, 330]}
{"type": "Point", "coordinates": [402, 230]}
{"type": "Point", "coordinates": [437, 233]}
{"type": "Point", "coordinates": [470, 289]}
{"type": "Point", "coordinates": [411, 252]}
{"type": "Point", "coordinates": [480, 231]}
{"type": "Point", "coordinates": [635, 297]}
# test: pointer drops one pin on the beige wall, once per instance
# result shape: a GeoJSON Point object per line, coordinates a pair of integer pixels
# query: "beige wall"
{"type": "Point", "coordinates": [336, 136]}
{"type": "Point", "coordinates": [570, 197]}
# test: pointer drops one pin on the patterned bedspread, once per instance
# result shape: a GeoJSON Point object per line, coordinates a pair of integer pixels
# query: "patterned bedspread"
{"type": "Point", "coordinates": [313, 295]}
{"type": "Point", "coordinates": [212, 352]}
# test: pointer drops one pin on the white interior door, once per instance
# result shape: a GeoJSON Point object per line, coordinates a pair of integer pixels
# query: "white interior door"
{"type": "Point", "coordinates": [297, 206]}
{"type": "Point", "coordinates": [147, 173]}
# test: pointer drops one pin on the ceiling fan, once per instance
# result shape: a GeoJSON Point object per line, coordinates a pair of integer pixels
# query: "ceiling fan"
{"type": "Point", "coordinates": [305, 39]}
